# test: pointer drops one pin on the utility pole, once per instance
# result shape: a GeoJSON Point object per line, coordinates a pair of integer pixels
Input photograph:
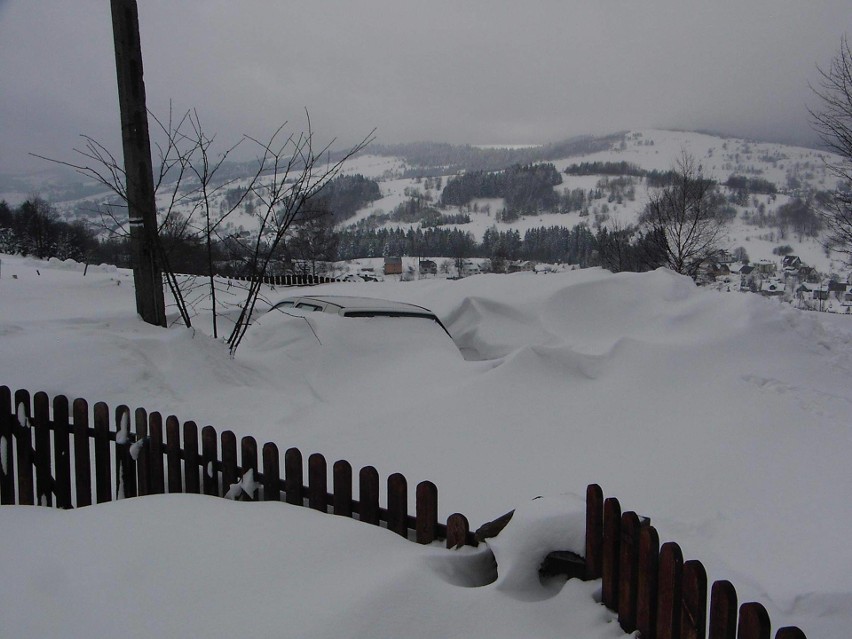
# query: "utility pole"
{"type": "Point", "coordinates": [141, 206]}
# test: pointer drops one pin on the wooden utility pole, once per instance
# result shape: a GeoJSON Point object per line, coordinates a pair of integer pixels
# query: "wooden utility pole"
{"type": "Point", "coordinates": [141, 206]}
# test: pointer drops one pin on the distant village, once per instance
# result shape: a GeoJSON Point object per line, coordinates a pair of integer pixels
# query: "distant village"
{"type": "Point", "coordinates": [791, 280]}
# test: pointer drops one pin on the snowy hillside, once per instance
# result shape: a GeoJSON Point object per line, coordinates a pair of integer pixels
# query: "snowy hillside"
{"type": "Point", "coordinates": [791, 172]}
{"type": "Point", "coordinates": [723, 417]}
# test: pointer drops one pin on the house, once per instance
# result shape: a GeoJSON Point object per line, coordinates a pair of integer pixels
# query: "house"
{"type": "Point", "coordinates": [518, 266]}
{"type": "Point", "coordinates": [469, 268]}
{"type": "Point", "coordinates": [804, 291]}
{"type": "Point", "coordinates": [791, 261]}
{"type": "Point", "coordinates": [765, 268]}
{"type": "Point", "coordinates": [821, 292]}
{"type": "Point", "coordinates": [393, 266]}
{"type": "Point", "coordinates": [837, 289]}
{"type": "Point", "coordinates": [771, 288]}
{"type": "Point", "coordinates": [428, 267]}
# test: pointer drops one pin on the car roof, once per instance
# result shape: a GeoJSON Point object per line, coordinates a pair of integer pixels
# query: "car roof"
{"type": "Point", "coordinates": [351, 302]}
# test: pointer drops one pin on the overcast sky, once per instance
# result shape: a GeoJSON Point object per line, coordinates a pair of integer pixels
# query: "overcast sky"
{"type": "Point", "coordinates": [461, 71]}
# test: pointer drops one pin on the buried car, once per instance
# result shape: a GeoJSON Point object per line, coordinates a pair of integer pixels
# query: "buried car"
{"type": "Point", "coordinates": [351, 306]}
{"type": "Point", "coordinates": [347, 348]}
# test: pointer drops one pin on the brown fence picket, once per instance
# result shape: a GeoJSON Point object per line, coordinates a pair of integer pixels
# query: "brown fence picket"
{"type": "Point", "coordinates": [398, 504]}
{"type": "Point", "coordinates": [7, 443]}
{"type": "Point", "coordinates": [646, 593]}
{"type": "Point", "coordinates": [271, 473]}
{"type": "Point", "coordinates": [669, 580]}
{"type": "Point", "coordinates": [103, 463]}
{"type": "Point", "coordinates": [174, 471]}
{"type": "Point", "coordinates": [342, 472]}
{"type": "Point", "coordinates": [229, 460]}
{"type": "Point", "coordinates": [368, 495]}
{"type": "Point", "coordinates": [24, 449]}
{"type": "Point", "coordinates": [610, 556]}
{"type": "Point", "coordinates": [82, 463]}
{"type": "Point", "coordinates": [458, 529]}
{"type": "Point", "coordinates": [142, 446]}
{"type": "Point", "coordinates": [594, 531]}
{"type": "Point", "coordinates": [155, 454]}
{"type": "Point", "coordinates": [723, 611]}
{"type": "Point", "coordinates": [191, 460]}
{"type": "Point", "coordinates": [426, 507]}
{"type": "Point", "coordinates": [693, 615]}
{"type": "Point", "coordinates": [43, 452]}
{"type": "Point", "coordinates": [628, 571]}
{"type": "Point", "coordinates": [754, 622]}
{"type": "Point", "coordinates": [248, 459]}
{"type": "Point", "coordinates": [209, 460]}
{"type": "Point", "coordinates": [293, 476]}
{"type": "Point", "coordinates": [125, 467]}
{"type": "Point", "coordinates": [790, 632]}
{"type": "Point", "coordinates": [62, 451]}
{"type": "Point", "coordinates": [317, 482]}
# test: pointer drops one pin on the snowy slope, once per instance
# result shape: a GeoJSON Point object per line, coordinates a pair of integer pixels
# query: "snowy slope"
{"type": "Point", "coordinates": [725, 418]}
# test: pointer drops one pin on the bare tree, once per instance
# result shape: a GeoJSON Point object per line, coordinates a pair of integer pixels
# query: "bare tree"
{"type": "Point", "coordinates": [833, 122]}
{"type": "Point", "coordinates": [295, 173]}
{"type": "Point", "coordinates": [288, 173]}
{"type": "Point", "coordinates": [681, 221]}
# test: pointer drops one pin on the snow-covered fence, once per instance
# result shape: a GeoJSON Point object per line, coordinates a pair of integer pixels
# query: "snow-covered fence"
{"type": "Point", "coordinates": [654, 590]}
{"type": "Point", "coordinates": [124, 454]}
{"type": "Point", "coordinates": [291, 280]}
{"type": "Point", "coordinates": [44, 445]}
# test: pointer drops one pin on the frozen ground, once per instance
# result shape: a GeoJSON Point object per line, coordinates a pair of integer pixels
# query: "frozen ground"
{"type": "Point", "coordinates": [723, 417]}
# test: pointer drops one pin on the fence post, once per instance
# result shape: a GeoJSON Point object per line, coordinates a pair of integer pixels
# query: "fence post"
{"type": "Point", "coordinates": [82, 463]}
{"type": "Point", "coordinates": [427, 512]}
{"type": "Point", "coordinates": [317, 482]}
{"type": "Point", "coordinates": [693, 619]}
{"type": "Point", "coordinates": [125, 468]}
{"type": "Point", "coordinates": [790, 632]}
{"type": "Point", "coordinates": [155, 454]}
{"type": "Point", "coordinates": [42, 458]}
{"type": "Point", "coordinates": [594, 531]}
{"type": "Point", "coordinates": [7, 441]}
{"type": "Point", "coordinates": [646, 594]}
{"type": "Point", "coordinates": [610, 557]}
{"type": "Point", "coordinates": [368, 495]}
{"type": "Point", "coordinates": [103, 474]}
{"type": "Point", "coordinates": [271, 473]}
{"type": "Point", "coordinates": [191, 460]}
{"type": "Point", "coordinates": [209, 459]}
{"type": "Point", "coordinates": [754, 622]}
{"type": "Point", "coordinates": [458, 529]}
{"type": "Point", "coordinates": [398, 504]}
{"type": "Point", "coordinates": [175, 473]}
{"type": "Point", "coordinates": [143, 470]}
{"type": "Point", "coordinates": [62, 451]}
{"type": "Point", "coordinates": [229, 460]}
{"type": "Point", "coordinates": [669, 581]}
{"type": "Point", "coordinates": [24, 447]}
{"type": "Point", "coordinates": [248, 456]}
{"type": "Point", "coordinates": [723, 611]}
{"type": "Point", "coordinates": [342, 471]}
{"type": "Point", "coordinates": [628, 581]}
{"type": "Point", "coordinates": [293, 488]}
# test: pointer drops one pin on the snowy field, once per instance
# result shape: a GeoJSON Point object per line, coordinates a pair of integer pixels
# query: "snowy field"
{"type": "Point", "coordinates": [724, 417]}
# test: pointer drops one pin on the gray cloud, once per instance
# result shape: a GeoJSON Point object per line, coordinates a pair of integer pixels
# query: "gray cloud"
{"type": "Point", "coordinates": [479, 71]}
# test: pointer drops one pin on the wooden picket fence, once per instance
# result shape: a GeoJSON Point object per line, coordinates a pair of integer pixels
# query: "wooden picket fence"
{"type": "Point", "coordinates": [654, 590]}
{"type": "Point", "coordinates": [650, 586]}
{"type": "Point", "coordinates": [147, 456]}
{"type": "Point", "coordinates": [289, 280]}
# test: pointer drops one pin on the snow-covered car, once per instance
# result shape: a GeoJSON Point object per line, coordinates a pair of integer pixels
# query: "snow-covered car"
{"type": "Point", "coordinates": [352, 306]}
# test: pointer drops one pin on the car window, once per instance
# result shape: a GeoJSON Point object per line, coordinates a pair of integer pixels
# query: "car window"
{"type": "Point", "coordinates": [309, 306]}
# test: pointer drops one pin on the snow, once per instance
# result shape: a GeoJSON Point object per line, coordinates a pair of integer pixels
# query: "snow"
{"type": "Point", "coordinates": [724, 417]}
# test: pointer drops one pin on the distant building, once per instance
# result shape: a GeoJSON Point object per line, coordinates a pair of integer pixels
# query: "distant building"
{"type": "Point", "coordinates": [393, 266]}
{"type": "Point", "coordinates": [428, 267]}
